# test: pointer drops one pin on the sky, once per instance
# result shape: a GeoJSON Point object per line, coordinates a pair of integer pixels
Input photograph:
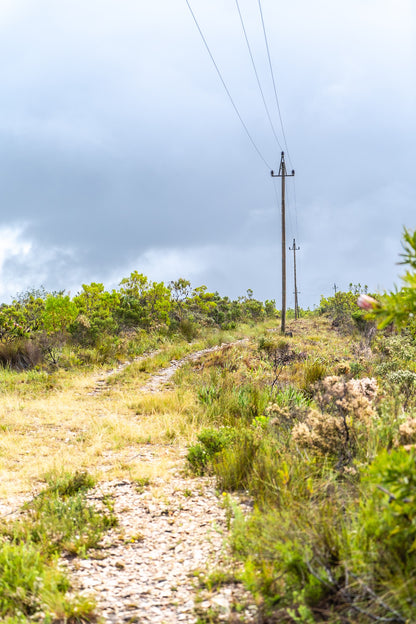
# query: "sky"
{"type": "Point", "coordinates": [120, 149]}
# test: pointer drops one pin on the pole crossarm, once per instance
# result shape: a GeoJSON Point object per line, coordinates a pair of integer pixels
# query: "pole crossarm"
{"type": "Point", "coordinates": [282, 169]}
{"type": "Point", "coordinates": [283, 174]}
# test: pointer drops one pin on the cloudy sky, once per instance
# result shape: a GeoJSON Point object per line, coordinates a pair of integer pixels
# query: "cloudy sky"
{"type": "Point", "coordinates": [120, 149]}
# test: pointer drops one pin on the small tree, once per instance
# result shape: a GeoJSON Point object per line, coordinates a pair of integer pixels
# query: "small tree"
{"type": "Point", "coordinates": [143, 303]}
{"type": "Point", "coordinates": [97, 310]}
{"type": "Point", "coordinates": [59, 313]}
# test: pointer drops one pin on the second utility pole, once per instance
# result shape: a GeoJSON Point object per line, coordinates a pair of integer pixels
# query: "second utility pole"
{"type": "Point", "coordinates": [283, 174]}
{"type": "Point", "coordinates": [295, 249]}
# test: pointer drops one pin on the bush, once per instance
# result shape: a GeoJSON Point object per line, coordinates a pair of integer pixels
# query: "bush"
{"type": "Point", "coordinates": [346, 413]}
{"type": "Point", "coordinates": [388, 514]}
{"type": "Point", "coordinates": [25, 581]}
{"type": "Point", "coordinates": [188, 329]}
{"type": "Point", "coordinates": [383, 540]}
{"type": "Point", "coordinates": [293, 558]}
{"type": "Point", "coordinates": [210, 442]}
{"type": "Point", "coordinates": [403, 382]}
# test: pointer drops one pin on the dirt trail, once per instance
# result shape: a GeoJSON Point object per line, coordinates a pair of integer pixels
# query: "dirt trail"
{"type": "Point", "coordinates": [161, 377]}
{"type": "Point", "coordinates": [148, 569]}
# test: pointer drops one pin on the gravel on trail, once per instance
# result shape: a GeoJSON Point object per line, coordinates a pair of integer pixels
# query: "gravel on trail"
{"type": "Point", "coordinates": [169, 535]}
{"type": "Point", "coordinates": [149, 565]}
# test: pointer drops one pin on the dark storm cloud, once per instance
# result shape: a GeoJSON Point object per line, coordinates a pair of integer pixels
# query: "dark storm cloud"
{"type": "Point", "coordinates": [119, 149]}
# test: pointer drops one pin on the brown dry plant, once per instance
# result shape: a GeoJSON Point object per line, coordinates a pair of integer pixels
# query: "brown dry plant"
{"type": "Point", "coordinates": [346, 410]}
{"type": "Point", "coordinates": [407, 432]}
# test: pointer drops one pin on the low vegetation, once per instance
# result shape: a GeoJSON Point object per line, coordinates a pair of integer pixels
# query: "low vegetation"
{"type": "Point", "coordinates": [58, 521]}
{"type": "Point", "coordinates": [322, 435]}
{"type": "Point", "coordinates": [317, 429]}
{"type": "Point", "coordinates": [40, 329]}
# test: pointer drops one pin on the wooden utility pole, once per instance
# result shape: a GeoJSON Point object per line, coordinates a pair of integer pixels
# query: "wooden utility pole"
{"type": "Point", "coordinates": [295, 249]}
{"type": "Point", "coordinates": [283, 174]}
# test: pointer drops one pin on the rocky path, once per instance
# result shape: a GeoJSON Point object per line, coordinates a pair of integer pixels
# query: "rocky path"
{"type": "Point", "coordinates": [159, 379]}
{"type": "Point", "coordinates": [148, 569]}
{"type": "Point", "coordinates": [163, 376]}
{"type": "Point", "coordinates": [171, 533]}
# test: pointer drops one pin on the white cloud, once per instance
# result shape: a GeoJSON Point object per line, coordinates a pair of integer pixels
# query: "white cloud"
{"type": "Point", "coordinates": [12, 245]}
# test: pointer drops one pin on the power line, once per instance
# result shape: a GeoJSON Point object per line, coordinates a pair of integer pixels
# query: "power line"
{"type": "Point", "coordinates": [273, 79]}
{"type": "Point", "coordinates": [257, 75]}
{"type": "Point", "coordinates": [225, 86]}
{"type": "Point", "coordinates": [295, 204]}
{"type": "Point", "coordinates": [288, 211]}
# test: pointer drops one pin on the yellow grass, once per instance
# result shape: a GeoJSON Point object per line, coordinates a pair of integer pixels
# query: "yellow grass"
{"type": "Point", "coordinates": [111, 434]}
{"type": "Point", "coordinates": [51, 423]}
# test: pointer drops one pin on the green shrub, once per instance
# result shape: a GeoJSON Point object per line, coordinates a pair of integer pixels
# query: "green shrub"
{"type": "Point", "coordinates": [188, 329]}
{"type": "Point", "coordinates": [59, 518]}
{"type": "Point", "coordinates": [383, 553]}
{"type": "Point", "coordinates": [210, 442]}
{"type": "Point", "coordinates": [26, 580]}
{"type": "Point", "coordinates": [293, 555]}
{"type": "Point", "coordinates": [388, 514]}
{"type": "Point", "coordinates": [66, 484]}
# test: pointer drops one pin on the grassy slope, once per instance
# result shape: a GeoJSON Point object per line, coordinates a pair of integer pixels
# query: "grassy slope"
{"type": "Point", "coordinates": [51, 421]}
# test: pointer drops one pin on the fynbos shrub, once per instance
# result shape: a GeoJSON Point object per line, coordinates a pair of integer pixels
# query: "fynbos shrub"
{"type": "Point", "coordinates": [346, 410]}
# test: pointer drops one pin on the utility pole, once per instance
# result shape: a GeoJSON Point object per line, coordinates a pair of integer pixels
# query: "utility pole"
{"type": "Point", "coordinates": [283, 174]}
{"type": "Point", "coordinates": [335, 288]}
{"type": "Point", "coordinates": [295, 249]}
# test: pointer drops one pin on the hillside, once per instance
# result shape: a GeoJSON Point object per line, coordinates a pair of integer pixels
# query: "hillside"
{"type": "Point", "coordinates": [234, 479]}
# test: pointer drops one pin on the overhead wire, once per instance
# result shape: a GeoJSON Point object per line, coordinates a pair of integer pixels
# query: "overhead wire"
{"type": "Point", "coordinates": [294, 228]}
{"type": "Point", "coordinates": [225, 87]}
{"type": "Point", "coordinates": [273, 79]}
{"type": "Point", "coordinates": [257, 75]}
{"type": "Point", "coordinates": [279, 111]}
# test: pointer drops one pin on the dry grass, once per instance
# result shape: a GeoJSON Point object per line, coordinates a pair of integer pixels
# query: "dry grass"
{"type": "Point", "coordinates": [49, 423]}
{"type": "Point", "coordinates": [53, 422]}
{"type": "Point", "coordinates": [111, 433]}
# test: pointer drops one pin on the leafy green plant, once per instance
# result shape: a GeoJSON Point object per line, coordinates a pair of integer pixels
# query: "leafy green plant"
{"type": "Point", "coordinates": [26, 582]}
{"type": "Point", "coordinates": [210, 442]}
{"type": "Point", "coordinates": [399, 306]}
{"type": "Point", "coordinates": [388, 513]}
{"type": "Point", "coordinates": [383, 554]}
{"type": "Point", "coordinates": [292, 556]}
{"type": "Point", "coordinates": [233, 466]}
